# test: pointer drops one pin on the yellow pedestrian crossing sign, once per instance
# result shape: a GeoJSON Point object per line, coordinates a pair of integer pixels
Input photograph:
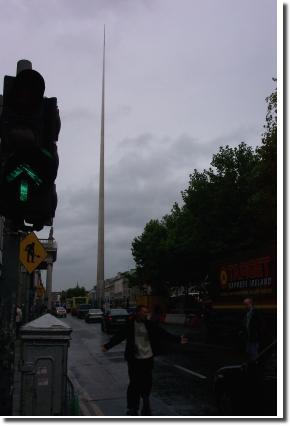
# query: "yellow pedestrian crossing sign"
{"type": "Point", "coordinates": [31, 252]}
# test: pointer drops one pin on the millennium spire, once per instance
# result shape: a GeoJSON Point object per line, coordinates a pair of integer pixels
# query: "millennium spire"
{"type": "Point", "coordinates": [100, 254]}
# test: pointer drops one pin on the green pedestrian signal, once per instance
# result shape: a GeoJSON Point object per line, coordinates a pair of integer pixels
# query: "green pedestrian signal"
{"type": "Point", "coordinates": [23, 191]}
{"type": "Point", "coordinates": [23, 184]}
{"type": "Point", "coordinates": [26, 169]}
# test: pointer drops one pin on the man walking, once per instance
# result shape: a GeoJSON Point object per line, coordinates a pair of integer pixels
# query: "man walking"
{"type": "Point", "coordinates": [144, 340]}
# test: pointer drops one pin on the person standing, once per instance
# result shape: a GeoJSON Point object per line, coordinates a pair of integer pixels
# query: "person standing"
{"type": "Point", "coordinates": [18, 318]}
{"type": "Point", "coordinates": [144, 340]}
{"type": "Point", "coordinates": [252, 330]}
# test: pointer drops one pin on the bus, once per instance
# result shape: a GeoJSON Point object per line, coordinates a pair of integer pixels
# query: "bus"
{"type": "Point", "coordinates": [76, 301]}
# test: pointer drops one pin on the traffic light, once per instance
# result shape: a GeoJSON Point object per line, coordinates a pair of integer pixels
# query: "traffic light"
{"type": "Point", "coordinates": [29, 128]}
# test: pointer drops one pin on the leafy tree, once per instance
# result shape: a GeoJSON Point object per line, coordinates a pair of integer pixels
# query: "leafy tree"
{"type": "Point", "coordinates": [183, 252]}
{"type": "Point", "coordinates": [263, 203]}
{"type": "Point", "coordinates": [231, 187]}
{"type": "Point", "coordinates": [149, 251]}
{"type": "Point", "coordinates": [75, 292]}
{"type": "Point", "coordinates": [132, 278]}
{"type": "Point", "coordinates": [229, 207]}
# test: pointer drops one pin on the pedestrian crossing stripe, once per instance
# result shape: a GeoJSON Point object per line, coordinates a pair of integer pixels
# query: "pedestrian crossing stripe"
{"type": "Point", "coordinates": [190, 371]}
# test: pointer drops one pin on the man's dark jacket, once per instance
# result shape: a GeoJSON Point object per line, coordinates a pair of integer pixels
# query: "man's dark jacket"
{"type": "Point", "coordinates": [159, 338]}
{"type": "Point", "coordinates": [254, 326]}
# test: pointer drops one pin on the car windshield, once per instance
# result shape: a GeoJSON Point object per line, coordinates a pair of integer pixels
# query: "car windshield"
{"type": "Point", "coordinates": [85, 306]}
{"type": "Point", "coordinates": [95, 311]}
{"type": "Point", "coordinates": [118, 312]}
{"type": "Point", "coordinates": [60, 309]}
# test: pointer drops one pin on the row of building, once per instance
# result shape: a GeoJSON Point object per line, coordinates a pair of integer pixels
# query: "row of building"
{"type": "Point", "coordinates": [118, 292]}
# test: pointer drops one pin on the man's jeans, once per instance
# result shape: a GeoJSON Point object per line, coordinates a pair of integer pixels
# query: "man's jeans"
{"type": "Point", "coordinates": [140, 382]}
{"type": "Point", "coordinates": [252, 351]}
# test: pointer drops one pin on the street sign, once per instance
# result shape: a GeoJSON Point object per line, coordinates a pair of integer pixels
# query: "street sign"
{"type": "Point", "coordinates": [31, 252]}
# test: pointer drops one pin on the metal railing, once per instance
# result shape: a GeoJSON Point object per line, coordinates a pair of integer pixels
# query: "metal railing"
{"type": "Point", "coordinates": [72, 407]}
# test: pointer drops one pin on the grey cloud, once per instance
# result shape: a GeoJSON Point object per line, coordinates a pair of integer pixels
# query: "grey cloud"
{"type": "Point", "coordinates": [78, 113]}
{"type": "Point", "coordinates": [119, 112]}
{"type": "Point", "coordinates": [182, 78]}
{"type": "Point", "coordinates": [77, 207]}
{"type": "Point", "coordinates": [148, 159]}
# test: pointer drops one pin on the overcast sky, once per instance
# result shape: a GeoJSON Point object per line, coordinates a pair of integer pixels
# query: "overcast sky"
{"type": "Point", "coordinates": [183, 77]}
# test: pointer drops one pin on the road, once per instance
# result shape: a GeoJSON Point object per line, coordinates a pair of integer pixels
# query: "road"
{"type": "Point", "coordinates": [182, 380]}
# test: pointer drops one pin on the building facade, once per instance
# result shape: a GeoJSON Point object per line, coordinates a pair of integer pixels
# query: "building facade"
{"type": "Point", "coordinates": [118, 293]}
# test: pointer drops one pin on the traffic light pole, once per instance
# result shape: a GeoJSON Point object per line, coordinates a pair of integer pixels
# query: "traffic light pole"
{"type": "Point", "coordinates": [30, 125]}
{"type": "Point", "coordinates": [9, 283]}
{"type": "Point", "coordinates": [49, 280]}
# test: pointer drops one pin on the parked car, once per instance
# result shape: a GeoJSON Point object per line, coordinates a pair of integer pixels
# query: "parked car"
{"type": "Point", "coordinates": [131, 311]}
{"type": "Point", "coordinates": [60, 312]}
{"type": "Point", "coordinates": [82, 310]}
{"type": "Point", "coordinates": [249, 389]}
{"type": "Point", "coordinates": [94, 315]}
{"type": "Point", "coordinates": [114, 319]}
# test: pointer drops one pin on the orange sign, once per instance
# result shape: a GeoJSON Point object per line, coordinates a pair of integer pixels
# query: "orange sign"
{"type": "Point", "coordinates": [250, 274]}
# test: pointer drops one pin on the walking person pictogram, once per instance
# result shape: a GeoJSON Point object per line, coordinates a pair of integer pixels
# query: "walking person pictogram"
{"type": "Point", "coordinates": [31, 252]}
{"type": "Point", "coordinates": [30, 249]}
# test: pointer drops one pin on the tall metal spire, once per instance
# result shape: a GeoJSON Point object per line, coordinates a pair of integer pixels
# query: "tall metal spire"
{"type": "Point", "coordinates": [100, 254]}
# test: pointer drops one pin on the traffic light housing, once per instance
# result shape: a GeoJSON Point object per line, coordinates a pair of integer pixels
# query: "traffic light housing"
{"type": "Point", "coordinates": [29, 128]}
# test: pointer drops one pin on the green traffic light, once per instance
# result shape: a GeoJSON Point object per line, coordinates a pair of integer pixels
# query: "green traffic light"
{"type": "Point", "coordinates": [34, 176]}
{"type": "Point", "coordinates": [23, 191]}
{"type": "Point", "coordinates": [24, 168]}
{"type": "Point", "coordinates": [47, 153]}
{"type": "Point", "coordinates": [23, 188]}
{"type": "Point", "coordinates": [13, 175]}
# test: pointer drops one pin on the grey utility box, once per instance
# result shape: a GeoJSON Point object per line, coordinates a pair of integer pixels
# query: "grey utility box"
{"type": "Point", "coordinates": [43, 366]}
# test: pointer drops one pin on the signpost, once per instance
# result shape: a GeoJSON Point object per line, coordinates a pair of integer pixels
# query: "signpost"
{"type": "Point", "coordinates": [31, 252]}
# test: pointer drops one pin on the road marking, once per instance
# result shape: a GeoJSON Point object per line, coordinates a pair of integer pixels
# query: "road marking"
{"type": "Point", "coordinates": [190, 371]}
